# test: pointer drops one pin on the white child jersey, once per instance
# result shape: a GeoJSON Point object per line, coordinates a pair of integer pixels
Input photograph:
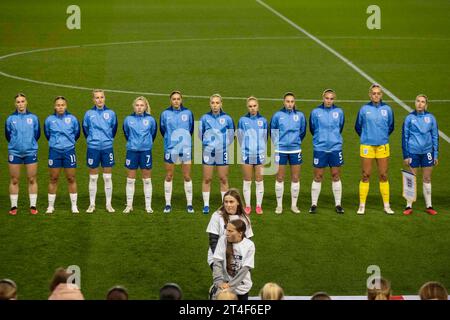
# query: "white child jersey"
{"type": "Point", "coordinates": [217, 226]}
{"type": "Point", "coordinates": [243, 256]}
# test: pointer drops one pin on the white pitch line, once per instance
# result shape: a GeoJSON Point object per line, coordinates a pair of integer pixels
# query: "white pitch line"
{"type": "Point", "coordinates": [36, 50]}
{"type": "Point", "coordinates": [148, 41]}
{"type": "Point", "coordinates": [344, 59]}
{"type": "Point", "coordinates": [165, 94]}
{"type": "Point", "coordinates": [215, 39]}
{"type": "Point", "coordinates": [61, 85]}
{"type": "Point", "coordinates": [382, 38]}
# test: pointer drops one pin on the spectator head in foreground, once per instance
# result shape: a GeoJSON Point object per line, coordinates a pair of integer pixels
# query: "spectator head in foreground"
{"type": "Point", "coordinates": [433, 291]}
{"type": "Point", "coordinates": [62, 288]}
{"type": "Point", "coordinates": [117, 293]}
{"type": "Point", "coordinates": [170, 291]}
{"type": "Point", "coordinates": [8, 289]}
{"type": "Point", "coordinates": [381, 290]}
{"type": "Point", "coordinates": [320, 296]}
{"type": "Point", "coordinates": [226, 294]}
{"type": "Point", "coordinates": [271, 291]}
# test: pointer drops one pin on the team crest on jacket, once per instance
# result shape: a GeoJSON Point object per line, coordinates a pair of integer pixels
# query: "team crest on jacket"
{"type": "Point", "coordinates": [335, 115]}
{"type": "Point", "coordinates": [145, 122]}
{"type": "Point", "coordinates": [295, 117]}
{"type": "Point", "coordinates": [184, 117]}
{"type": "Point", "coordinates": [106, 116]}
{"type": "Point", "coordinates": [67, 120]}
{"type": "Point", "coordinates": [222, 121]}
{"type": "Point", "coordinates": [260, 123]}
{"type": "Point", "coordinates": [427, 119]}
{"type": "Point", "coordinates": [29, 121]}
{"type": "Point", "coordinates": [384, 113]}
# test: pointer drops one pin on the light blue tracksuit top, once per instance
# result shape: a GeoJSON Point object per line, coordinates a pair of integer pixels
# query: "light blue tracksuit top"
{"type": "Point", "coordinates": [62, 131]}
{"type": "Point", "coordinates": [99, 128]}
{"type": "Point", "coordinates": [252, 135]}
{"type": "Point", "coordinates": [288, 129]}
{"type": "Point", "coordinates": [326, 124]}
{"type": "Point", "coordinates": [22, 131]}
{"type": "Point", "coordinates": [176, 127]}
{"type": "Point", "coordinates": [216, 131]}
{"type": "Point", "coordinates": [374, 124]}
{"type": "Point", "coordinates": [140, 131]}
{"type": "Point", "coordinates": [420, 135]}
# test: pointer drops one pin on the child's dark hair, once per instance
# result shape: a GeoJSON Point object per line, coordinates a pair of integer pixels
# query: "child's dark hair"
{"type": "Point", "coordinates": [240, 227]}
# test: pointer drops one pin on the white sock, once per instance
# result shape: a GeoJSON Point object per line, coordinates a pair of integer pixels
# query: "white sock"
{"type": "Point", "coordinates": [315, 192]}
{"type": "Point", "coordinates": [107, 178]}
{"type": "Point", "coordinates": [13, 198]}
{"type": "Point", "coordinates": [337, 192]}
{"type": "Point", "coordinates": [427, 194]}
{"type": "Point", "coordinates": [33, 199]}
{"type": "Point", "coordinates": [92, 188]}
{"type": "Point", "coordinates": [222, 193]}
{"type": "Point", "coordinates": [148, 190]}
{"type": "Point", "coordinates": [168, 191]}
{"type": "Point", "coordinates": [279, 190]}
{"type": "Point", "coordinates": [205, 199]}
{"type": "Point", "coordinates": [247, 190]}
{"type": "Point", "coordinates": [51, 200]}
{"type": "Point", "coordinates": [188, 192]}
{"type": "Point", "coordinates": [259, 192]}
{"type": "Point", "coordinates": [73, 199]}
{"type": "Point", "coordinates": [409, 203]}
{"type": "Point", "coordinates": [295, 190]}
{"type": "Point", "coordinates": [129, 190]}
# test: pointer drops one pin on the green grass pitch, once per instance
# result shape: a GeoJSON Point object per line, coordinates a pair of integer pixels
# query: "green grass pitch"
{"type": "Point", "coordinates": [236, 48]}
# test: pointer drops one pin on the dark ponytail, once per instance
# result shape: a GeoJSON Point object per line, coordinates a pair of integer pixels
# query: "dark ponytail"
{"type": "Point", "coordinates": [241, 228]}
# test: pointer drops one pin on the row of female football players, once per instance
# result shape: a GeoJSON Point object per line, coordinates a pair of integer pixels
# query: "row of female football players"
{"type": "Point", "coordinates": [374, 124]}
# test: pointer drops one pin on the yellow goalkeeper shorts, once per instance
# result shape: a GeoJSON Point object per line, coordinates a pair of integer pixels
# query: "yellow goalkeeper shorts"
{"type": "Point", "coordinates": [374, 152]}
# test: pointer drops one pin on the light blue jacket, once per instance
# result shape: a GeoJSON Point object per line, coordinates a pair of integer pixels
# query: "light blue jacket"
{"type": "Point", "coordinates": [216, 131]}
{"type": "Point", "coordinates": [420, 134]}
{"type": "Point", "coordinates": [176, 127]}
{"type": "Point", "coordinates": [326, 124]}
{"type": "Point", "coordinates": [22, 131]}
{"type": "Point", "coordinates": [374, 124]}
{"type": "Point", "coordinates": [140, 131]}
{"type": "Point", "coordinates": [62, 131]}
{"type": "Point", "coordinates": [288, 129]}
{"type": "Point", "coordinates": [252, 135]}
{"type": "Point", "coordinates": [99, 128]}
